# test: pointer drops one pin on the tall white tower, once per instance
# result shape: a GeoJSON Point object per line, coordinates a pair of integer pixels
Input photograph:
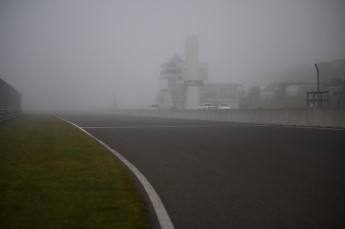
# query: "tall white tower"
{"type": "Point", "coordinates": [192, 49]}
{"type": "Point", "coordinates": [192, 64]}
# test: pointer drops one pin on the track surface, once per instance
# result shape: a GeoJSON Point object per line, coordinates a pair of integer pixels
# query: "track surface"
{"type": "Point", "coordinates": [223, 175]}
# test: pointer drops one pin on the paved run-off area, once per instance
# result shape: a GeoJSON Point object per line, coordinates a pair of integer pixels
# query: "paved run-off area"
{"type": "Point", "coordinates": [223, 175]}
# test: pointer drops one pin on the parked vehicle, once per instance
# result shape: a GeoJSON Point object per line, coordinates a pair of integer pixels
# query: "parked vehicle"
{"type": "Point", "coordinates": [207, 106]}
{"type": "Point", "coordinates": [223, 106]}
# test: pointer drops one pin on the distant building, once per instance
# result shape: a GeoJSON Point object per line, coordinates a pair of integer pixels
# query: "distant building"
{"type": "Point", "coordinates": [266, 95]}
{"type": "Point", "coordinates": [285, 89]}
{"type": "Point", "coordinates": [220, 93]}
{"type": "Point", "coordinates": [335, 90]}
{"type": "Point", "coordinates": [171, 80]}
{"type": "Point", "coordinates": [335, 86]}
{"type": "Point", "coordinates": [299, 90]}
{"type": "Point", "coordinates": [183, 84]}
{"type": "Point", "coordinates": [10, 98]}
{"type": "Point", "coordinates": [264, 92]}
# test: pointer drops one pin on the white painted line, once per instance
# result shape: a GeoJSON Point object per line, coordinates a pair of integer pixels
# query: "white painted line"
{"type": "Point", "coordinates": [162, 215]}
{"type": "Point", "coordinates": [138, 127]}
{"type": "Point", "coordinates": [208, 126]}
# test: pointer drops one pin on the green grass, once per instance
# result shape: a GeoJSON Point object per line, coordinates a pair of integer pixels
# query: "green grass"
{"type": "Point", "coordinates": [54, 176]}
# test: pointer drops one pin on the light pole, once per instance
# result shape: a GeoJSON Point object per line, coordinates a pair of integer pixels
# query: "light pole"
{"type": "Point", "coordinates": [318, 85]}
{"type": "Point", "coordinates": [114, 101]}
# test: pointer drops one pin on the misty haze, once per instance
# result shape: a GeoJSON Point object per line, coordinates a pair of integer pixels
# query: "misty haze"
{"type": "Point", "coordinates": [196, 114]}
{"type": "Point", "coordinates": [75, 54]}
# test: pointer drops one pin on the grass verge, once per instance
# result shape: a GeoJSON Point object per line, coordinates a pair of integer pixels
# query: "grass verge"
{"type": "Point", "coordinates": [54, 176]}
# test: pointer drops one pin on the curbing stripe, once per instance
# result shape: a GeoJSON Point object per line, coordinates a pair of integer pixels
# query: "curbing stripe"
{"type": "Point", "coordinates": [162, 215]}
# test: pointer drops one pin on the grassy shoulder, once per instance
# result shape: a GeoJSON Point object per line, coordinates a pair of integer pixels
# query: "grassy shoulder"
{"type": "Point", "coordinates": [53, 176]}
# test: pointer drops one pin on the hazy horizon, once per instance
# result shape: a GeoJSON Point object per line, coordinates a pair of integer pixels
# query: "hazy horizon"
{"type": "Point", "coordinates": [77, 53]}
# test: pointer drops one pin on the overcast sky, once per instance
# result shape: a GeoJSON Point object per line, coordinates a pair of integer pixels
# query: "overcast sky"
{"type": "Point", "coordinates": [76, 53]}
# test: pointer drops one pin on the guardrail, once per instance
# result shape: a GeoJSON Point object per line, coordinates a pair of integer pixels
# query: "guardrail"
{"type": "Point", "coordinates": [6, 114]}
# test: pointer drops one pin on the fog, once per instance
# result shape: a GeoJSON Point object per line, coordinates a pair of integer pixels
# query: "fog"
{"type": "Point", "coordinates": [76, 54]}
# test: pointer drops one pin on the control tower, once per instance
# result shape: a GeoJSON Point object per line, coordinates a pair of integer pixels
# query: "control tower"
{"type": "Point", "coordinates": [181, 81]}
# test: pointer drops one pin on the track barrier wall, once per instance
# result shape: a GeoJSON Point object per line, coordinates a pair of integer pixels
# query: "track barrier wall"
{"type": "Point", "coordinates": [313, 117]}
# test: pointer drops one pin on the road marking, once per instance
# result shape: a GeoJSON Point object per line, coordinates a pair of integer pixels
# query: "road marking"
{"type": "Point", "coordinates": [162, 215]}
{"type": "Point", "coordinates": [138, 127]}
{"type": "Point", "coordinates": [208, 126]}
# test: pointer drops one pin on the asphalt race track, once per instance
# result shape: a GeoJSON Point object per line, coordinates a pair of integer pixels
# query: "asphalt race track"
{"type": "Point", "coordinates": [225, 175]}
